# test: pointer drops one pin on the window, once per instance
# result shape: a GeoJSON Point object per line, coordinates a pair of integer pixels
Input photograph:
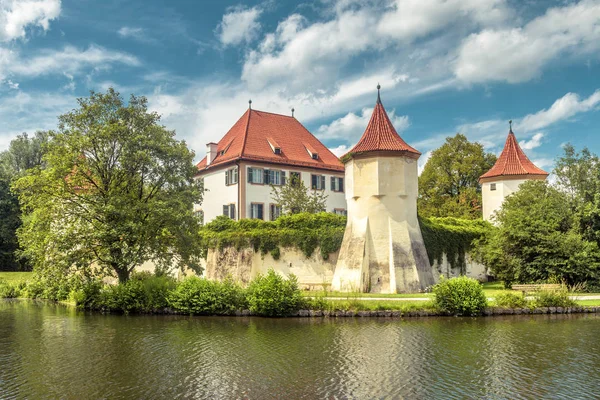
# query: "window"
{"type": "Point", "coordinates": [295, 177]}
{"type": "Point", "coordinates": [492, 186]}
{"type": "Point", "coordinates": [275, 211]}
{"type": "Point", "coordinates": [340, 211]}
{"type": "Point", "coordinates": [200, 215]}
{"type": "Point", "coordinates": [256, 210]}
{"type": "Point", "coordinates": [231, 176]}
{"type": "Point", "coordinates": [274, 177]}
{"type": "Point", "coordinates": [317, 182]}
{"type": "Point", "coordinates": [337, 184]}
{"type": "Point", "coordinates": [229, 210]}
{"type": "Point", "coordinates": [255, 175]}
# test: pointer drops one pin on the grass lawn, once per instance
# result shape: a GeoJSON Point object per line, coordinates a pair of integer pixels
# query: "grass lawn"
{"type": "Point", "coordinates": [588, 302]}
{"type": "Point", "coordinates": [15, 277]}
{"type": "Point", "coordinates": [377, 305]}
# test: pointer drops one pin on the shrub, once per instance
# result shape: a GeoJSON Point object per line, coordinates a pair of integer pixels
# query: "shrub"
{"type": "Point", "coordinates": [510, 300]}
{"type": "Point", "coordinates": [144, 292]}
{"type": "Point", "coordinates": [200, 296]}
{"type": "Point", "coordinates": [553, 298]}
{"type": "Point", "coordinates": [459, 296]}
{"type": "Point", "coordinates": [55, 285]}
{"type": "Point", "coordinates": [88, 296]}
{"type": "Point", "coordinates": [271, 295]}
{"type": "Point", "coordinates": [8, 290]}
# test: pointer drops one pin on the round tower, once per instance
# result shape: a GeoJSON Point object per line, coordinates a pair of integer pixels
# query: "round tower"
{"type": "Point", "coordinates": [382, 250]}
{"type": "Point", "coordinates": [511, 169]}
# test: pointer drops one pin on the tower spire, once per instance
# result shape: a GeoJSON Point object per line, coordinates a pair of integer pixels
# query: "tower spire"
{"type": "Point", "coordinates": [378, 96]}
{"type": "Point", "coordinates": [510, 126]}
{"type": "Point", "coordinates": [250, 104]}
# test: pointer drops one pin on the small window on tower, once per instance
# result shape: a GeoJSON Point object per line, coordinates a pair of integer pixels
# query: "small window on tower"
{"type": "Point", "coordinates": [492, 186]}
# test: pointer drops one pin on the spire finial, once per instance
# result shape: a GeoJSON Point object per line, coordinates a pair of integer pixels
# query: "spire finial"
{"type": "Point", "coordinates": [378, 97]}
{"type": "Point", "coordinates": [293, 111]}
{"type": "Point", "coordinates": [250, 104]}
{"type": "Point", "coordinates": [510, 125]}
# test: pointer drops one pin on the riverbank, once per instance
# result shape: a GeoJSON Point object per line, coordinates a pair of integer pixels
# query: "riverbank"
{"type": "Point", "coordinates": [273, 296]}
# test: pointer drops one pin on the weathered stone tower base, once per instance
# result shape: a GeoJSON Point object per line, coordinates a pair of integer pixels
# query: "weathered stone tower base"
{"type": "Point", "coordinates": [394, 261]}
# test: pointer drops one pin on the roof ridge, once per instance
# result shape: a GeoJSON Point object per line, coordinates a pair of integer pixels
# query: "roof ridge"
{"type": "Point", "coordinates": [245, 132]}
{"type": "Point", "coordinates": [272, 113]}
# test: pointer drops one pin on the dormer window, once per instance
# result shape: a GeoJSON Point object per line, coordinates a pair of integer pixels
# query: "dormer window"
{"type": "Point", "coordinates": [274, 146]}
{"type": "Point", "coordinates": [311, 152]}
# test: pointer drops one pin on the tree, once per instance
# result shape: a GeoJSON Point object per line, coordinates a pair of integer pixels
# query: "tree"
{"type": "Point", "coordinates": [117, 190]}
{"type": "Point", "coordinates": [537, 239]}
{"type": "Point", "coordinates": [23, 153]}
{"type": "Point", "coordinates": [578, 175]}
{"type": "Point", "coordinates": [294, 197]}
{"type": "Point", "coordinates": [449, 184]}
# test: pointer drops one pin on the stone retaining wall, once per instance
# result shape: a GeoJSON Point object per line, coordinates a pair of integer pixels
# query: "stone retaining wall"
{"type": "Point", "coordinates": [488, 312]}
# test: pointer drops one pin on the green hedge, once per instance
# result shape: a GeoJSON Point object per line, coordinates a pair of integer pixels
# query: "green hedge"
{"type": "Point", "coordinates": [452, 236]}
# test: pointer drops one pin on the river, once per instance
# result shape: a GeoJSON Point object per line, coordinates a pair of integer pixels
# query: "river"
{"type": "Point", "coordinates": [53, 351]}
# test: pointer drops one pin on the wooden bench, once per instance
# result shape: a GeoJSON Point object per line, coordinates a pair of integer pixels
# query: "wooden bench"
{"type": "Point", "coordinates": [536, 287]}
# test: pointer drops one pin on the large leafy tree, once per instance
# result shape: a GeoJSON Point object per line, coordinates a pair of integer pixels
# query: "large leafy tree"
{"type": "Point", "coordinates": [448, 185]}
{"type": "Point", "coordinates": [536, 239]}
{"type": "Point", "coordinates": [23, 153]}
{"type": "Point", "coordinates": [117, 190]}
{"type": "Point", "coordinates": [294, 197]}
{"type": "Point", "coordinates": [578, 175]}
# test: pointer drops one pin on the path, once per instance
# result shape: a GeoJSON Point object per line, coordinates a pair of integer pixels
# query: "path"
{"type": "Point", "coordinates": [578, 297]}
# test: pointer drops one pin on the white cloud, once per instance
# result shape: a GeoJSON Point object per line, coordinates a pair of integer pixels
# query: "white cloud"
{"type": "Point", "coordinates": [138, 34]}
{"type": "Point", "coordinates": [310, 56]}
{"type": "Point", "coordinates": [340, 150]}
{"type": "Point", "coordinates": [519, 54]}
{"type": "Point", "coordinates": [535, 141]}
{"type": "Point", "coordinates": [70, 60]}
{"type": "Point", "coordinates": [239, 25]}
{"type": "Point", "coordinates": [17, 15]}
{"type": "Point", "coordinates": [351, 126]}
{"type": "Point", "coordinates": [565, 107]}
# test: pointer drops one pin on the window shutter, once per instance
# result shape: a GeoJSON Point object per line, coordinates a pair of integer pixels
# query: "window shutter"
{"type": "Point", "coordinates": [341, 180]}
{"type": "Point", "coordinates": [272, 212]}
{"type": "Point", "coordinates": [249, 175]}
{"type": "Point", "coordinates": [313, 181]}
{"type": "Point", "coordinates": [232, 211]}
{"type": "Point", "coordinates": [266, 177]}
{"type": "Point", "coordinates": [260, 211]}
{"type": "Point", "coordinates": [282, 178]}
{"type": "Point", "coordinates": [323, 182]}
{"type": "Point", "coordinates": [227, 177]}
{"type": "Point", "coordinates": [226, 210]}
{"type": "Point", "coordinates": [333, 183]}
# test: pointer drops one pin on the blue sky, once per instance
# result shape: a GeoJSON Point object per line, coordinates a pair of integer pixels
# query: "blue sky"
{"type": "Point", "coordinates": [445, 66]}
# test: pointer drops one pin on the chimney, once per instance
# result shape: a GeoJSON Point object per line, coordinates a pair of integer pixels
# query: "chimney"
{"type": "Point", "coordinates": [211, 152]}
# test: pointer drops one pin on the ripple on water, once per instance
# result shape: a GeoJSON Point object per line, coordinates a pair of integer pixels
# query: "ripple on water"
{"type": "Point", "coordinates": [54, 352]}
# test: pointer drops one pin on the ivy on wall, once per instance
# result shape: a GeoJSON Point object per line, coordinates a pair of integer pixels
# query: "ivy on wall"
{"type": "Point", "coordinates": [450, 236]}
{"type": "Point", "coordinates": [303, 231]}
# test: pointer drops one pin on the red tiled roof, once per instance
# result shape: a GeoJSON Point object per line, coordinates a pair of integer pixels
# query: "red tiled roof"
{"type": "Point", "coordinates": [249, 137]}
{"type": "Point", "coordinates": [380, 135]}
{"type": "Point", "coordinates": [513, 162]}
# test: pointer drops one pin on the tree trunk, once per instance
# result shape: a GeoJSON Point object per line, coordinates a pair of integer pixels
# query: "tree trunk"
{"type": "Point", "coordinates": [123, 274]}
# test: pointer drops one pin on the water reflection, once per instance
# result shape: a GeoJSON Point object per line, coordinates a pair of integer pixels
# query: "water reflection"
{"type": "Point", "coordinates": [49, 351]}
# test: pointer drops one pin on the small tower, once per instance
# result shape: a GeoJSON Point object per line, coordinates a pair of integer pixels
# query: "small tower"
{"type": "Point", "coordinates": [382, 250]}
{"type": "Point", "coordinates": [511, 169]}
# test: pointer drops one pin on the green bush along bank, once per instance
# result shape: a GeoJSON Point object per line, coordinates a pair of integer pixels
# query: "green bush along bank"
{"type": "Point", "coordinates": [268, 295]}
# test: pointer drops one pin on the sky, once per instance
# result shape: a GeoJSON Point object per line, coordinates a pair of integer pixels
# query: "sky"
{"type": "Point", "coordinates": [445, 66]}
